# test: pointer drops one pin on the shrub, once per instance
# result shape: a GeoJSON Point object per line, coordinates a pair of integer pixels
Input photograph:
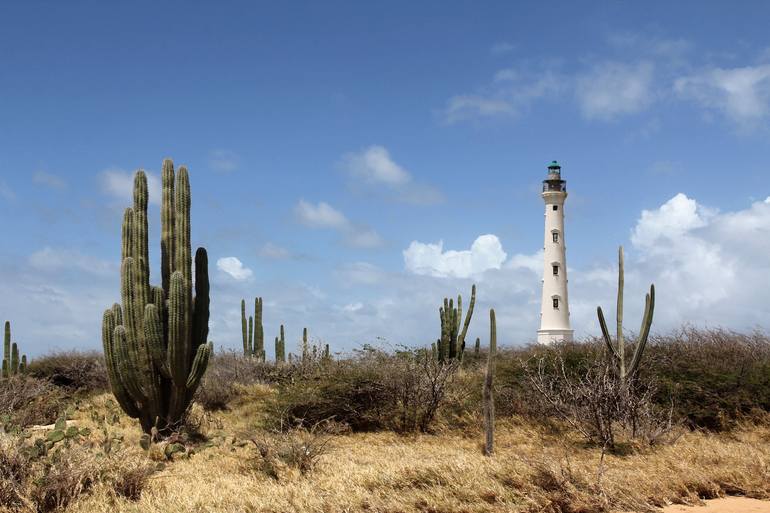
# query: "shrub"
{"type": "Point", "coordinates": [372, 390]}
{"type": "Point", "coordinates": [14, 474]}
{"type": "Point", "coordinates": [26, 401]}
{"type": "Point", "coordinates": [72, 370]}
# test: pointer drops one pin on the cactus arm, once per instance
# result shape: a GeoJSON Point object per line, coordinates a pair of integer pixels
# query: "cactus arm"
{"type": "Point", "coordinates": [167, 225]}
{"type": "Point", "coordinates": [177, 355]}
{"type": "Point", "coordinates": [244, 327]}
{"type": "Point", "coordinates": [468, 316]}
{"type": "Point", "coordinates": [23, 364]}
{"type": "Point", "coordinates": [201, 310]}
{"type": "Point", "coordinates": [644, 332]}
{"type": "Point", "coordinates": [110, 358]}
{"type": "Point", "coordinates": [7, 348]}
{"type": "Point", "coordinates": [14, 367]}
{"type": "Point", "coordinates": [487, 392]}
{"type": "Point", "coordinates": [200, 362]}
{"type": "Point", "coordinates": [153, 336]}
{"type": "Point", "coordinates": [606, 333]}
{"type": "Point", "coordinates": [250, 347]}
{"type": "Point", "coordinates": [141, 251]}
{"type": "Point", "coordinates": [621, 342]}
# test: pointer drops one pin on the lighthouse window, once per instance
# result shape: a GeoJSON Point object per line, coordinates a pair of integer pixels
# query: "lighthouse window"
{"type": "Point", "coordinates": [556, 302]}
{"type": "Point", "coordinates": [556, 236]}
{"type": "Point", "coordinates": [556, 207]}
{"type": "Point", "coordinates": [555, 270]}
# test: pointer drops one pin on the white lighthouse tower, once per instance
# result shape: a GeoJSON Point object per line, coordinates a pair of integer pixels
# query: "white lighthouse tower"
{"type": "Point", "coordinates": [554, 309]}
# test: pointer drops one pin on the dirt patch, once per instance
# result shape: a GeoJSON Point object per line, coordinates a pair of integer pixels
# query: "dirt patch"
{"type": "Point", "coordinates": [725, 505]}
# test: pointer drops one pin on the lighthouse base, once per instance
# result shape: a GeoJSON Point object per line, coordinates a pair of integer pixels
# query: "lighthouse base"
{"type": "Point", "coordinates": [548, 337]}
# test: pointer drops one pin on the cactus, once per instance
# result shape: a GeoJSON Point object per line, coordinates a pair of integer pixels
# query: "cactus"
{"type": "Point", "coordinates": [477, 349]}
{"type": "Point", "coordinates": [280, 348]}
{"type": "Point", "coordinates": [305, 353]}
{"type": "Point", "coordinates": [327, 353]}
{"type": "Point", "coordinates": [451, 345]}
{"type": "Point", "coordinates": [619, 353]}
{"type": "Point", "coordinates": [253, 331]}
{"type": "Point", "coordinates": [487, 393]}
{"type": "Point", "coordinates": [12, 363]}
{"type": "Point", "coordinates": [155, 343]}
{"type": "Point", "coordinates": [244, 328]}
{"type": "Point", "coordinates": [259, 332]}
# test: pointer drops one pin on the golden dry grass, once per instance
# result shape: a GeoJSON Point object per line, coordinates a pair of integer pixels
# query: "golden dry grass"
{"type": "Point", "coordinates": [534, 469]}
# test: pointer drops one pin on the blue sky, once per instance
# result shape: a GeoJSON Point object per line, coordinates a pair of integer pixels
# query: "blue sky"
{"type": "Point", "coordinates": [343, 151]}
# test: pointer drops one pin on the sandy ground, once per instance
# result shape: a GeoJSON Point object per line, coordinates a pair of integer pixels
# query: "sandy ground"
{"type": "Point", "coordinates": [725, 505]}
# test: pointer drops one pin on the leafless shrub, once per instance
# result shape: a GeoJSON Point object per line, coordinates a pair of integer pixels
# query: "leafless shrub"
{"type": "Point", "coordinates": [82, 371]}
{"type": "Point", "coordinates": [596, 403]}
{"type": "Point", "coordinates": [66, 475]}
{"type": "Point", "coordinates": [293, 446]}
{"type": "Point", "coordinates": [25, 401]}
{"type": "Point", "coordinates": [14, 474]}
{"type": "Point", "coordinates": [131, 478]}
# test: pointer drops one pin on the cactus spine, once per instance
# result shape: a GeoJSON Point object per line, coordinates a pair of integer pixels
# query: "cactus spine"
{"type": "Point", "coordinates": [619, 353]}
{"type": "Point", "coordinates": [451, 345]}
{"type": "Point", "coordinates": [12, 364]}
{"type": "Point", "coordinates": [155, 343]}
{"type": "Point", "coordinates": [487, 393]}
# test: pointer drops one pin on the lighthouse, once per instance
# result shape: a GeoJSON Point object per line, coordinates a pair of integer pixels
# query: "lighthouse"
{"type": "Point", "coordinates": [554, 307]}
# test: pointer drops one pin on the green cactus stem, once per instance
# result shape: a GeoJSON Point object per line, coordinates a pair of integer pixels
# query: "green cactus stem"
{"type": "Point", "coordinates": [451, 345]}
{"type": "Point", "coordinates": [155, 342]}
{"type": "Point", "coordinates": [618, 354]}
{"type": "Point", "coordinates": [244, 328]}
{"type": "Point", "coordinates": [259, 332]}
{"type": "Point", "coordinates": [477, 348]}
{"type": "Point", "coordinates": [488, 390]}
{"type": "Point", "coordinates": [280, 347]}
{"type": "Point", "coordinates": [13, 362]}
{"type": "Point", "coordinates": [305, 353]}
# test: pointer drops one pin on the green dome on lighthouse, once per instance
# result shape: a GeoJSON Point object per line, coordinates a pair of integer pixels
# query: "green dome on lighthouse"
{"type": "Point", "coordinates": [554, 165]}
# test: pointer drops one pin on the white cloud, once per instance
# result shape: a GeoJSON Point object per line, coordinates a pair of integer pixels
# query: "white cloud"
{"type": "Point", "coordinates": [274, 252]}
{"type": "Point", "coordinates": [512, 91]}
{"type": "Point", "coordinates": [120, 184]}
{"type": "Point", "coordinates": [672, 220]}
{"type": "Point", "coordinates": [323, 215]}
{"type": "Point", "coordinates": [50, 259]}
{"type": "Point", "coordinates": [611, 89]}
{"type": "Point", "coordinates": [49, 180]}
{"type": "Point", "coordinates": [742, 94]}
{"type": "Point", "coordinates": [235, 268]}
{"type": "Point", "coordinates": [363, 237]}
{"type": "Point", "coordinates": [485, 253]}
{"type": "Point", "coordinates": [374, 165]}
{"type": "Point", "coordinates": [223, 161]}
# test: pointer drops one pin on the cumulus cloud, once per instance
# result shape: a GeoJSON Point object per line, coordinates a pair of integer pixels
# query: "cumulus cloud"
{"type": "Point", "coordinates": [320, 215]}
{"type": "Point", "coordinates": [485, 253]}
{"type": "Point", "coordinates": [120, 184]}
{"type": "Point", "coordinates": [323, 215]}
{"type": "Point", "coordinates": [49, 180]}
{"type": "Point", "coordinates": [742, 94]}
{"type": "Point", "coordinates": [612, 89]}
{"type": "Point", "coordinates": [374, 167]}
{"type": "Point", "coordinates": [233, 267]}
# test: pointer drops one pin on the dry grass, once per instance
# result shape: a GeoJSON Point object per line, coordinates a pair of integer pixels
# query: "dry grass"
{"type": "Point", "coordinates": [535, 469]}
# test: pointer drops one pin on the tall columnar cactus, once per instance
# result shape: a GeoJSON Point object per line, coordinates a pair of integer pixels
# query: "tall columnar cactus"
{"type": "Point", "coordinates": [155, 343]}
{"type": "Point", "coordinates": [244, 329]}
{"type": "Point", "coordinates": [477, 349]}
{"type": "Point", "coordinates": [487, 392]}
{"type": "Point", "coordinates": [305, 353]}
{"type": "Point", "coordinates": [253, 331]}
{"type": "Point", "coordinates": [280, 348]}
{"type": "Point", "coordinates": [619, 353]}
{"type": "Point", "coordinates": [259, 332]}
{"type": "Point", "coordinates": [452, 341]}
{"type": "Point", "coordinates": [13, 363]}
